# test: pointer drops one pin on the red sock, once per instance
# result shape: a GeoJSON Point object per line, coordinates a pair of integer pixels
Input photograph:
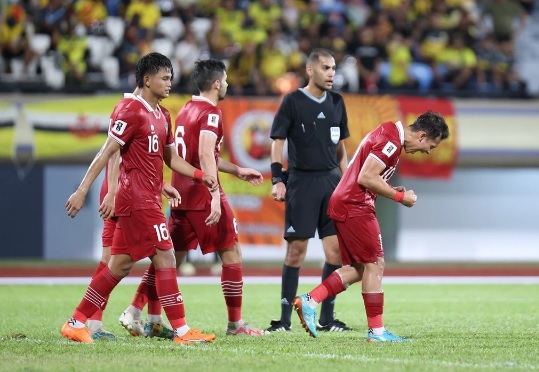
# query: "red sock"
{"type": "Point", "coordinates": [170, 296]}
{"type": "Point", "coordinates": [141, 295]}
{"type": "Point", "coordinates": [374, 306]}
{"type": "Point", "coordinates": [98, 315]}
{"type": "Point", "coordinates": [154, 306]}
{"type": "Point", "coordinates": [96, 295]}
{"type": "Point", "coordinates": [330, 287]}
{"type": "Point", "coordinates": [232, 286]}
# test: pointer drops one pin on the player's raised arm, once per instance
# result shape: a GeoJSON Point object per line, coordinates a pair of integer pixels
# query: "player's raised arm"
{"type": "Point", "coordinates": [76, 200]}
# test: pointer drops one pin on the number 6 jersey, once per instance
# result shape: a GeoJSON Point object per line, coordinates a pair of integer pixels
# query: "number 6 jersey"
{"type": "Point", "coordinates": [199, 115]}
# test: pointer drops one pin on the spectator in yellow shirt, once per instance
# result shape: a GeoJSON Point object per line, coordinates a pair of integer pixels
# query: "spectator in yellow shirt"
{"type": "Point", "coordinates": [264, 13]}
{"type": "Point", "coordinates": [92, 14]}
{"type": "Point", "coordinates": [144, 14]}
{"type": "Point", "coordinates": [73, 48]}
{"type": "Point", "coordinates": [13, 41]}
{"type": "Point", "coordinates": [456, 64]}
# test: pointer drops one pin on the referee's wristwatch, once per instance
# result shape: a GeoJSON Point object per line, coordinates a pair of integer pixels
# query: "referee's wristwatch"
{"type": "Point", "coordinates": [275, 180]}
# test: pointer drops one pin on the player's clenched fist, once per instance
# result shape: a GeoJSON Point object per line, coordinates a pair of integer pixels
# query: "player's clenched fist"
{"type": "Point", "coordinates": [409, 198]}
{"type": "Point", "coordinates": [210, 181]}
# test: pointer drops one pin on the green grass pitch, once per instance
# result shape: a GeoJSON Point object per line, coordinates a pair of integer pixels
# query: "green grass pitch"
{"type": "Point", "coordinates": [452, 327]}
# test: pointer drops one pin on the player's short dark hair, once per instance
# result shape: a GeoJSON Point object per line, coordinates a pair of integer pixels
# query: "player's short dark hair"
{"type": "Point", "coordinates": [431, 123]}
{"type": "Point", "coordinates": [317, 53]}
{"type": "Point", "coordinates": [151, 64]}
{"type": "Point", "coordinates": [206, 72]}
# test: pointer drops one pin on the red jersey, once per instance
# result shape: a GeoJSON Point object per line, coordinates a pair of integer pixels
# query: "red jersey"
{"type": "Point", "coordinates": [199, 115]}
{"type": "Point", "coordinates": [143, 134]}
{"type": "Point", "coordinates": [384, 144]}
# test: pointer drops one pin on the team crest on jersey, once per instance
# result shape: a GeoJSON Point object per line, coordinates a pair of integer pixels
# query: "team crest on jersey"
{"type": "Point", "coordinates": [119, 127]}
{"type": "Point", "coordinates": [213, 120]}
{"type": "Point", "coordinates": [335, 134]}
{"type": "Point", "coordinates": [389, 149]}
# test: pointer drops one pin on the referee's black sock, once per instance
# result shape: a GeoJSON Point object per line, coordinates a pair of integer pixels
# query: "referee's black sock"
{"type": "Point", "coordinates": [289, 288]}
{"type": "Point", "coordinates": [328, 305]}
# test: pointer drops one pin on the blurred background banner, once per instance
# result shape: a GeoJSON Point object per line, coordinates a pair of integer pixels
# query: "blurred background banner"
{"type": "Point", "coordinates": [47, 142]}
{"type": "Point", "coordinates": [440, 163]}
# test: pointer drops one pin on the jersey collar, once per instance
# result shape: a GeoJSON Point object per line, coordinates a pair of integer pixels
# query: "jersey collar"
{"type": "Point", "coordinates": [398, 124]}
{"type": "Point", "coordinates": [200, 98]}
{"type": "Point", "coordinates": [319, 100]}
{"type": "Point", "coordinates": [146, 104]}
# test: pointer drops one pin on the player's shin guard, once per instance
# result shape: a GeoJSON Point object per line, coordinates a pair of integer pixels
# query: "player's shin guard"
{"type": "Point", "coordinates": [170, 296]}
{"type": "Point", "coordinates": [141, 295]}
{"type": "Point", "coordinates": [374, 307]}
{"type": "Point", "coordinates": [232, 286]}
{"type": "Point", "coordinates": [98, 315]}
{"type": "Point", "coordinates": [96, 295]}
{"type": "Point", "coordinates": [328, 305]}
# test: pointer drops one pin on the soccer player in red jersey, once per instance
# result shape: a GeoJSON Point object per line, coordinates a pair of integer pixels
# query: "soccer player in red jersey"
{"type": "Point", "coordinates": [352, 209]}
{"type": "Point", "coordinates": [143, 136]}
{"type": "Point", "coordinates": [155, 326]}
{"type": "Point", "coordinates": [204, 219]}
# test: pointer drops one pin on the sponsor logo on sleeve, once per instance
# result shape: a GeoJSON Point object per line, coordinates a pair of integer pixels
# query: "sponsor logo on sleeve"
{"type": "Point", "coordinates": [389, 149]}
{"type": "Point", "coordinates": [213, 120]}
{"type": "Point", "coordinates": [119, 127]}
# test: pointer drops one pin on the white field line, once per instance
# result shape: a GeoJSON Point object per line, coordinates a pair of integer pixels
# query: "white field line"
{"type": "Point", "coordinates": [277, 280]}
{"type": "Point", "coordinates": [337, 357]}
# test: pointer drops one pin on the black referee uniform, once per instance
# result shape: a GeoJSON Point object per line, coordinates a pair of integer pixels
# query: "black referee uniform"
{"type": "Point", "coordinates": [312, 127]}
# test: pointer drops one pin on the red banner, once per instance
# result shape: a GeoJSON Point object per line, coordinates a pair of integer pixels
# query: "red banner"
{"type": "Point", "coordinates": [441, 162]}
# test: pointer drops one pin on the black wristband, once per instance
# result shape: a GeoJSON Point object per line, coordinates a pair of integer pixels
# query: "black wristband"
{"type": "Point", "coordinates": [276, 170]}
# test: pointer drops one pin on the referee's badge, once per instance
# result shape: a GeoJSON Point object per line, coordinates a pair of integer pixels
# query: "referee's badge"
{"type": "Point", "coordinates": [335, 134]}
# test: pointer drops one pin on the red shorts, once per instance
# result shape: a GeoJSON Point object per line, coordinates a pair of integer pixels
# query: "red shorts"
{"type": "Point", "coordinates": [188, 230]}
{"type": "Point", "coordinates": [360, 240]}
{"type": "Point", "coordinates": [139, 234]}
{"type": "Point", "coordinates": [109, 226]}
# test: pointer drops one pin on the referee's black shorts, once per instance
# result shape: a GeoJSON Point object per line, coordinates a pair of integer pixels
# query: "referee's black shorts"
{"type": "Point", "coordinates": [307, 198]}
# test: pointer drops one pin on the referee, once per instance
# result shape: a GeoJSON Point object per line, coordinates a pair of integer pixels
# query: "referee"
{"type": "Point", "coordinates": [313, 120]}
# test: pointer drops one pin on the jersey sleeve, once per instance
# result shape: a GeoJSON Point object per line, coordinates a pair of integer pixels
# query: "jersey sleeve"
{"type": "Point", "coordinates": [170, 134]}
{"type": "Point", "coordinates": [385, 149]}
{"type": "Point", "coordinates": [123, 125]}
{"type": "Point", "coordinates": [345, 133]}
{"type": "Point", "coordinates": [210, 120]}
{"type": "Point", "coordinates": [282, 119]}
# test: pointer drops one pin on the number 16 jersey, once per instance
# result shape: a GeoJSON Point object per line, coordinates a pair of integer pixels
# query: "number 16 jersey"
{"type": "Point", "coordinates": [143, 133]}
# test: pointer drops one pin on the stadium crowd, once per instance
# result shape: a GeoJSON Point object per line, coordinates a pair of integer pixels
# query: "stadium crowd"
{"type": "Point", "coordinates": [455, 47]}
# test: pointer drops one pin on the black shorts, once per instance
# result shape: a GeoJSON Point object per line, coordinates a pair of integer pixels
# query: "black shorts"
{"type": "Point", "coordinates": [307, 198]}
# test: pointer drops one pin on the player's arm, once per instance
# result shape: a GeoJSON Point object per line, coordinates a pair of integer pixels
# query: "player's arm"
{"type": "Point", "coordinates": [206, 154]}
{"type": "Point", "coordinates": [278, 191]}
{"type": "Point", "coordinates": [369, 178]}
{"type": "Point", "coordinates": [246, 174]}
{"type": "Point", "coordinates": [178, 164]}
{"type": "Point", "coordinates": [76, 200]}
{"type": "Point", "coordinates": [173, 196]}
{"type": "Point", "coordinates": [106, 209]}
{"type": "Point", "coordinates": [342, 157]}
